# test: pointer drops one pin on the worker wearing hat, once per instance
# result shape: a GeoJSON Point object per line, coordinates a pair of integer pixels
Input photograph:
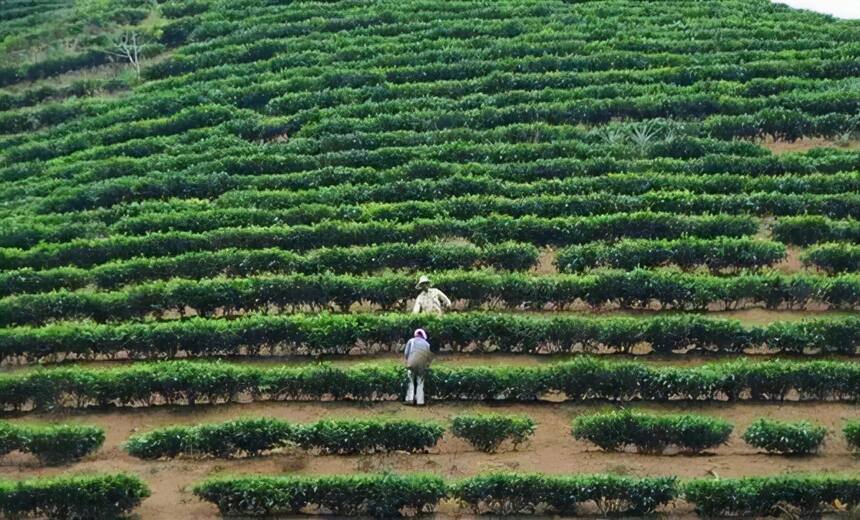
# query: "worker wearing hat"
{"type": "Point", "coordinates": [429, 299]}
{"type": "Point", "coordinates": [418, 358]}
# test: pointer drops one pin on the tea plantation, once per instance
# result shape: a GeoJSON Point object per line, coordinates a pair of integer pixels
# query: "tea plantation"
{"type": "Point", "coordinates": [213, 215]}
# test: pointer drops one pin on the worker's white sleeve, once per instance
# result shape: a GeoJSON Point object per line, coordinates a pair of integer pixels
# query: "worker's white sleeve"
{"type": "Point", "coordinates": [445, 300]}
{"type": "Point", "coordinates": [417, 307]}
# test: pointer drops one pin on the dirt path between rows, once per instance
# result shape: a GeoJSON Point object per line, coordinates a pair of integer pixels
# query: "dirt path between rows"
{"type": "Point", "coordinates": [552, 450]}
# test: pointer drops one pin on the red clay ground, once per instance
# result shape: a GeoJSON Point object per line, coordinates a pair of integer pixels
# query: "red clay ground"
{"type": "Point", "coordinates": [552, 450]}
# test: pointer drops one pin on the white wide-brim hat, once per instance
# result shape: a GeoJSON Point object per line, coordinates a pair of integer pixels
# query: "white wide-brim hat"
{"type": "Point", "coordinates": [423, 279]}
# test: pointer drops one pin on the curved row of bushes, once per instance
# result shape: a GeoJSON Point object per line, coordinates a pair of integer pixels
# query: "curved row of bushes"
{"type": "Point", "coordinates": [176, 382]}
{"type": "Point", "coordinates": [207, 217]}
{"type": "Point", "coordinates": [344, 192]}
{"type": "Point", "coordinates": [426, 256]}
{"type": "Point", "coordinates": [368, 333]}
{"type": "Point", "coordinates": [489, 230]}
{"type": "Point", "coordinates": [103, 183]}
{"type": "Point", "coordinates": [833, 257]}
{"type": "Point", "coordinates": [638, 289]}
{"type": "Point", "coordinates": [612, 431]}
{"type": "Point", "coordinates": [113, 182]}
{"type": "Point", "coordinates": [653, 433]}
{"type": "Point", "coordinates": [806, 230]}
{"type": "Point", "coordinates": [51, 444]}
{"type": "Point", "coordinates": [99, 496]}
{"type": "Point", "coordinates": [303, 208]}
{"type": "Point", "coordinates": [387, 496]}
{"type": "Point", "coordinates": [251, 437]}
{"type": "Point", "coordinates": [686, 253]}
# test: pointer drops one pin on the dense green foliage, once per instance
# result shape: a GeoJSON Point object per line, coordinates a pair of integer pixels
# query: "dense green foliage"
{"type": "Point", "coordinates": [380, 496]}
{"type": "Point", "coordinates": [365, 333]}
{"type": "Point", "coordinates": [686, 253]}
{"type": "Point", "coordinates": [251, 437]}
{"type": "Point", "coordinates": [790, 438]}
{"type": "Point", "coordinates": [808, 495]}
{"type": "Point", "coordinates": [52, 444]}
{"type": "Point", "coordinates": [512, 493]}
{"type": "Point", "coordinates": [833, 257]}
{"type": "Point", "coordinates": [852, 434]}
{"type": "Point", "coordinates": [488, 431]}
{"type": "Point", "coordinates": [100, 497]}
{"type": "Point", "coordinates": [270, 178]}
{"type": "Point", "coordinates": [651, 433]}
{"type": "Point", "coordinates": [522, 493]}
{"type": "Point", "coordinates": [177, 382]}
{"type": "Point", "coordinates": [666, 289]}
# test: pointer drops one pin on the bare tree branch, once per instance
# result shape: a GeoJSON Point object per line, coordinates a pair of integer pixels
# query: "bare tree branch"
{"type": "Point", "coordinates": [127, 46]}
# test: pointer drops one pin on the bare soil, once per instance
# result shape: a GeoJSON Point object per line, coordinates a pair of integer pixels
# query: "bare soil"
{"type": "Point", "coordinates": [546, 262]}
{"type": "Point", "coordinates": [552, 450]}
{"type": "Point", "coordinates": [806, 144]}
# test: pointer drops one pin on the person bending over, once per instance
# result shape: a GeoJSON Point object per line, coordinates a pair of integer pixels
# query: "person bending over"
{"type": "Point", "coordinates": [418, 356]}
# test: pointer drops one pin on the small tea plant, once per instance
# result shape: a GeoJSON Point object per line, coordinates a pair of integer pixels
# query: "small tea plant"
{"type": "Point", "coordinates": [651, 433]}
{"type": "Point", "coordinates": [488, 431]}
{"type": "Point", "coordinates": [788, 438]}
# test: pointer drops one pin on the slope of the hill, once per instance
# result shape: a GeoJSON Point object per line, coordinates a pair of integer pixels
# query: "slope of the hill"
{"type": "Point", "coordinates": [668, 180]}
{"type": "Point", "coordinates": [307, 140]}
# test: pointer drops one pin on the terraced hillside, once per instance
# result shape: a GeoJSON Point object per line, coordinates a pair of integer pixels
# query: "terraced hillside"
{"type": "Point", "coordinates": [216, 210]}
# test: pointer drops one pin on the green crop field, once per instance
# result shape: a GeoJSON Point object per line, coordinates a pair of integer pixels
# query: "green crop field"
{"type": "Point", "coordinates": [213, 215]}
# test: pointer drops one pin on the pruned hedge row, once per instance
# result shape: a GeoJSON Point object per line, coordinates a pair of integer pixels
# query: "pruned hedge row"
{"type": "Point", "coordinates": [805, 495]}
{"type": "Point", "coordinates": [253, 436]}
{"type": "Point", "coordinates": [638, 289]}
{"type": "Point", "coordinates": [524, 493]}
{"type": "Point", "coordinates": [488, 431]}
{"type": "Point", "coordinates": [484, 230]}
{"type": "Point", "coordinates": [806, 230]}
{"type": "Point", "coordinates": [307, 180]}
{"type": "Point", "coordinates": [427, 256]}
{"type": "Point", "coordinates": [366, 333]}
{"type": "Point", "coordinates": [852, 434]}
{"type": "Point", "coordinates": [379, 496]}
{"type": "Point", "coordinates": [651, 433]}
{"type": "Point", "coordinates": [228, 211]}
{"type": "Point", "coordinates": [340, 193]}
{"type": "Point", "coordinates": [386, 496]}
{"type": "Point", "coordinates": [238, 209]}
{"type": "Point", "coordinates": [52, 444]}
{"type": "Point", "coordinates": [686, 253]}
{"type": "Point", "coordinates": [833, 257]}
{"type": "Point", "coordinates": [790, 438]}
{"type": "Point", "coordinates": [99, 497]}
{"type": "Point", "coordinates": [178, 382]}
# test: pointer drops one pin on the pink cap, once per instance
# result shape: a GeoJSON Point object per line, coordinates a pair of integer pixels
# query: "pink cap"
{"type": "Point", "coordinates": [420, 333]}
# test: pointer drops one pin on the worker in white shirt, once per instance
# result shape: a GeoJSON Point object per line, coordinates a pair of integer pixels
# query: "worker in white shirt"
{"type": "Point", "coordinates": [429, 299]}
{"type": "Point", "coordinates": [418, 356]}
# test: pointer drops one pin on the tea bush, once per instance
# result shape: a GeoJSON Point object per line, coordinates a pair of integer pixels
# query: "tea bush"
{"type": "Point", "coordinates": [686, 253]}
{"type": "Point", "coordinates": [808, 495]}
{"type": "Point", "coordinates": [190, 383]}
{"type": "Point", "coordinates": [651, 433]}
{"type": "Point", "coordinates": [252, 437]}
{"type": "Point", "coordinates": [100, 497]}
{"type": "Point", "coordinates": [833, 257]}
{"type": "Point", "coordinates": [513, 493]}
{"type": "Point", "coordinates": [852, 434]}
{"type": "Point", "coordinates": [790, 438]}
{"type": "Point", "coordinates": [367, 333]}
{"type": "Point", "coordinates": [52, 444]}
{"type": "Point", "coordinates": [488, 431]}
{"type": "Point", "coordinates": [379, 496]}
